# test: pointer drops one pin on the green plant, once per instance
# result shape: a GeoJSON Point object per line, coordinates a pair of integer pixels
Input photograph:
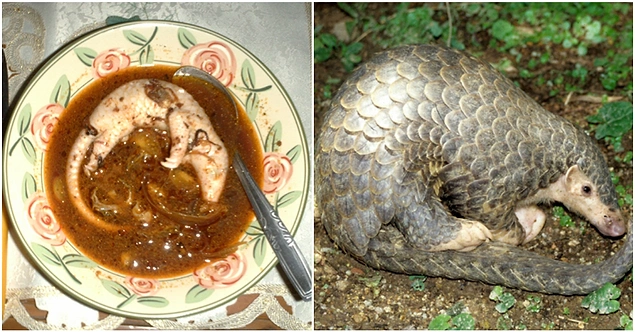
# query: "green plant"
{"type": "Point", "coordinates": [418, 282]}
{"type": "Point", "coordinates": [549, 326]}
{"type": "Point", "coordinates": [623, 196]}
{"type": "Point", "coordinates": [504, 300]}
{"type": "Point", "coordinates": [603, 300]}
{"type": "Point", "coordinates": [563, 218]}
{"type": "Point", "coordinates": [504, 322]}
{"type": "Point", "coordinates": [533, 303]}
{"type": "Point", "coordinates": [373, 283]}
{"type": "Point", "coordinates": [326, 45]}
{"type": "Point", "coordinates": [612, 121]}
{"type": "Point", "coordinates": [626, 323]}
{"type": "Point", "coordinates": [455, 318]}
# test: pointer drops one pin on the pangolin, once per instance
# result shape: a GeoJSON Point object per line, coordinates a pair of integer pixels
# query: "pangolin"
{"type": "Point", "coordinates": [429, 161]}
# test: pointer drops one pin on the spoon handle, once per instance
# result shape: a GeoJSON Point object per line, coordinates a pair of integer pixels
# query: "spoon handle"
{"type": "Point", "coordinates": [285, 248]}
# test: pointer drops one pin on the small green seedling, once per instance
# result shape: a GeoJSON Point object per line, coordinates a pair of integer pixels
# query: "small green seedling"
{"type": "Point", "coordinates": [626, 323]}
{"type": "Point", "coordinates": [505, 300]}
{"type": "Point", "coordinates": [455, 318]}
{"type": "Point", "coordinates": [627, 158]}
{"type": "Point", "coordinates": [371, 281]}
{"type": "Point", "coordinates": [324, 45]}
{"type": "Point", "coordinates": [327, 45]}
{"type": "Point", "coordinates": [563, 217]}
{"type": "Point", "coordinates": [504, 322]}
{"type": "Point", "coordinates": [603, 300]}
{"type": "Point", "coordinates": [328, 87]}
{"type": "Point", "coordinates": [549, 326]}
{"type": "Point", "coordinates": [613, 120]}
{"type": "Point", "coordinates": [462, 321]}
{"type": "Point", "coordinates": [533, 303]}
{"type": "Point", "coordinates": [623, 197]}
{"type": "Point", "coordinates": [418, 283]}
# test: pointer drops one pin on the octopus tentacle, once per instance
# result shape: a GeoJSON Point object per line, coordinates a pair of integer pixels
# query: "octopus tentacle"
{"type": "Point", "coordinates": [149, 103]}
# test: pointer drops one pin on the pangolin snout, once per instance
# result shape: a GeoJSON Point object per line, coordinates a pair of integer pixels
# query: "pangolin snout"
{"type": "Point", "coordinates": [613, 225]}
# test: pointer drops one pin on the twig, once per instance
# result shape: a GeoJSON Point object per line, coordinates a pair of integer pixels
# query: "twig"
{"type": "Point", "coordinates": [566, 101]}
{"type": "Point", "coordinates": [573, 320]}
{"type": "Point", "coordinates": [362, 36]}
{"type": "Point", "coordinates": [596, 99]}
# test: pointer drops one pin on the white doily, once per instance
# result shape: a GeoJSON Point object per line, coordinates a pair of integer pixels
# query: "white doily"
{"type": "Point", "coordinates": [33, 31]}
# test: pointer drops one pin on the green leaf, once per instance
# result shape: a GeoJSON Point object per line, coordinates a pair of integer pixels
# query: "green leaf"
{"type": "Point", "coordinates": [289, 198]}
{"type": "Point", "coordinates": [614, 119]}
{"type": "Point", "coordinates": [24, 120]}
{"type": "Point", "coordinates": [501, 29]}
{"type": "Point", "coordinates": [248, 75]}
{"type": "Point", "coordinates": [294, 153]}
{"type": "Point", "coordinates": [76, 260]}
{"type": "Point", "coordinates": [197, 293]}
{"type": "Point", "coordinates": [146, 57]}
{"type": "Point", "coordinates": [260, 250]}
{"type": "Point", "coordinates": [463, 321]}
{"type": "Point", "coordinates": [135, 37]}
{"type": "Point", "coordinates": [418, 283]}
{"type": "Point", "coordinates": [61, 92]}
{"type": "Point", "coordinates": [503, 322]}
{"type": "Point", "coordinates": [532, 304]}
{"type": "Point", "coordinates": [507, 301]}
{"type": "Point", "coordinates": [127, 301]}
{"type": "Point", "coordinates": [441, 322]}
{"type": "Point", "coordinates": [603, 300]}
{"type": "Point", "coordinates": [251, 105]}
{"type": "Point", "coordinates": [86, 55]}
{"type": "Point", "coordinates": [626, 322]}
{"type": "Point", "coordinates": [45, 254]}
{"type": "Point", "coordinates": [273, 137]}
{"type": "Point", "coordinates": [29, 186]}
{"type": "Point", "coordinates": [28, 149]}
{"type": "Point", "coordinates": [496, 293]}
{"type": "Point", "coordinates": [115, 288]}
{"type": "Point", "coordinates": [254, 229]}
{"type": "Point", "coordinates": [154, 301]}
{"type": "Point", "coordinates": [186, 38]}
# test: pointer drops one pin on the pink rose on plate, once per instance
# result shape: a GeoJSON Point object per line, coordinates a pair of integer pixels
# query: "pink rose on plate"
{"type": "Point", "coordinates": [214, 57]}
{"type": "Point", "coordinates": [278, 170]}
{"type": "Point", "coordinates": [41, 218]}
{"type": "Point", "coordinates": [222, 273]}
{"type": "Point", "coordinates": [142, 286]}
{"type": "Point", "coordinates": [44, 123]}
{"type": "Point", "coordinates": [109, 62]}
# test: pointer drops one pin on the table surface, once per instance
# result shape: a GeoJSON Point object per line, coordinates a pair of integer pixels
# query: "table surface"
{"type": "Point", "coordinates": [33, 31]}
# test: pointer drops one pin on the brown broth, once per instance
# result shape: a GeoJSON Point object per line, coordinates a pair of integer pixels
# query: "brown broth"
{"type": "Point", "coordinates": [162, 247]}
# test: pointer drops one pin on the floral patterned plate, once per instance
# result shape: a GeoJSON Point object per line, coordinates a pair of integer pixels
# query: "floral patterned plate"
{"type": "Point", "coordinates": [35, 113]}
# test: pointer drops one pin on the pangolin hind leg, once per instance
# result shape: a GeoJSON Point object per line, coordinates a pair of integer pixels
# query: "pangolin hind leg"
{"type": "Point", "coordinates": [427, 224]}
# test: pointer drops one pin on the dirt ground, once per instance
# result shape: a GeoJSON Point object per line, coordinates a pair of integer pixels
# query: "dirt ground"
{"type": "Point", "coordinates": [350, 295]}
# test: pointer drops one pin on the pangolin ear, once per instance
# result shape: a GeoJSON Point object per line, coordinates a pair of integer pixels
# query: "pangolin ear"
{"type": "Point", "coordinates": [573, 173]}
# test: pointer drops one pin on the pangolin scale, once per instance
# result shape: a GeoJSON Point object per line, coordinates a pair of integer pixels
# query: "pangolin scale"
{"type": "Point", "coordinates": [427, 153]}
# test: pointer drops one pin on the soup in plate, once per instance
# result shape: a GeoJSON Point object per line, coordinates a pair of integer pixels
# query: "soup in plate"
{"type": "Point", "coordinates": [147, 219]}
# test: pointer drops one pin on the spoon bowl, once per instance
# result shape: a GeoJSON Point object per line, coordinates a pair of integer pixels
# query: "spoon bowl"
{"type": "Point", "coordinates": [288, 253]}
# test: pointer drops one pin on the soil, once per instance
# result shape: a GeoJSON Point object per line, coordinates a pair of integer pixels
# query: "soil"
{"type": "Point", "coordinates": [350, 295]}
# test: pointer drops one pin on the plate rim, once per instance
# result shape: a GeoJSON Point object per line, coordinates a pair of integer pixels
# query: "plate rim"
{"type": "Point", "coordinates": [30, 82]}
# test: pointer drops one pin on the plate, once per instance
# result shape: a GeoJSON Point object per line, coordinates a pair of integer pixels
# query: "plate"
{"type": "Point", "coordinates": [147, 43]}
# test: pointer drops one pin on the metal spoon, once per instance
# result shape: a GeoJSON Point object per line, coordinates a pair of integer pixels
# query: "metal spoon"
{"type": "Point", "coordinates": [281, 241]}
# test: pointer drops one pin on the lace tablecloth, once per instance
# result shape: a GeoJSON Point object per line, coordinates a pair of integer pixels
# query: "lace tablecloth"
{"type": "Point", "coordinates": [278, 34]}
